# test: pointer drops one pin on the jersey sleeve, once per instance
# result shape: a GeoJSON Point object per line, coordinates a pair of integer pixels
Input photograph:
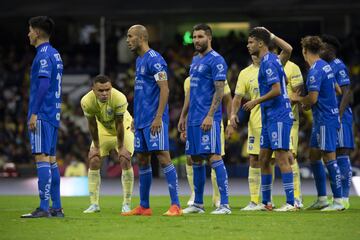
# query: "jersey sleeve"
{"type": "Point", "coordinates": [342, 76]}
{"type": "Point", "coordinates": [313, 82]}
{"type": "Point", "coordinates": [219, 69]}
{"type": "Point", "coordinates": [187, 85]}
{"type": "Point", "coordinates": [271, 73]}
{"type": "Point", "coordinates": [296, 78]}
{"type": "Point", "coordinates": [120, 104]}
{"type": "Point", "coordinates": [241, 85]}
{"type": "Point", "coordinates": [86, 106]}
{"type": "Point", "coordinates": [45, 66]}
{"type": "Point", "coordinates": [158, 68]}
{"type": "Point", "coordinates": [227, 89]}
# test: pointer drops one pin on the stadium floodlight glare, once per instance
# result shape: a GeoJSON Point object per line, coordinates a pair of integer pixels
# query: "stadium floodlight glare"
{"type": "Point", "coordinates": [356, 182]}
{"type": "Point", "coordinates": [187, 38]}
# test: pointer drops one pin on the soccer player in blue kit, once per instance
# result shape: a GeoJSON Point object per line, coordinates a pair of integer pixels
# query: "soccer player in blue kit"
{"type": "Point", "coordinates": [151, 120]}
{"type": "Point", "coordinates": [277, 119]}
{"type": "Point", "coordinates": [44, 115]}
{"type": "Point", "coordinates": [321, 98]}
{"type": "Point", "coordinates": [207, 79]}
{"type": "Point", "coordinates": [345, 140]}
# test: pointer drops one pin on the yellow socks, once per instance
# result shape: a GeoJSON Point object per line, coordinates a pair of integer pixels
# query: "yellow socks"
{"type": "Point", "coordinates": [297, 183]}
{"type": "Point", "coordinates": [190, 177]}
{"type": "Point", "coordinates": [94, 181]}
{"type": "Point", "coordinates": [127, 181]}
{"type": "Point", "coordinates": [254, 184]}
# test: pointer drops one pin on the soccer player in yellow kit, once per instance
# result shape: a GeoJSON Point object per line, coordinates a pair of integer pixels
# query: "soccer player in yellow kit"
{"type": "Point", "coordinates": [189, 170]}
{"type": "Point", "coordinates": [110, 128]}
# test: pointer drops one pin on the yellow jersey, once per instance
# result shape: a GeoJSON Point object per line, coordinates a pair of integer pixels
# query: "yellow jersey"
{"type": "Point", "coordinates": [105, 112]}
{"type": "Point", "coordinates": [294, 76]}
{"type": "Point", "coordinates": [247, 86]}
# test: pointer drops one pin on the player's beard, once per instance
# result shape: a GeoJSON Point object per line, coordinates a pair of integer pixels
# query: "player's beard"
{"type": "Point", "coordinates": [201, 48]}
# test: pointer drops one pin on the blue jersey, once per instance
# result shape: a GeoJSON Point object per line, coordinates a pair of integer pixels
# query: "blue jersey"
{"type": "Point", "coordinates": [342, 79]}
{"type": "Point", "coordinates": [277, 109]}
{"type": "Point", "coordinates": [204, 71]}
{"type": "Point", "coordinates": [47, 64]}
{"type": "Point", "coordinates": [150, 68]}
{"type": "Point", "coordinates": [321, 79]}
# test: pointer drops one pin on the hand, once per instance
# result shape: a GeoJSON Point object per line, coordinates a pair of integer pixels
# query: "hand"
{"type": "Point", "coordinates": [296, 96]}
{"type": "Point", "coordinates": [250, 105]}
{"type": "Point", "coordinates": [32, 122]}
{"type": "Point", "coordinates": [124, 153]}
{"type": "Point", "coordinates": [132, 127]}
{"type": "Point", "coordinates": [207, 123]}
{"type": "Point", "coordinates": [156, 125]}
{"type": "Point", "coordinates": [305, 107]}
{"type": "Point", "coordinates": [94, 151]}
{"type": "Point", "coordinates": [181, 124]}
{"type": "Point", "coordinates": [229, 131]}
{"type": "Point", "coordinates": [183, 136]}
{"type": "Point", "coordinates": [263, 29]}
{"type": "Point", "coordinates": [234, 121]}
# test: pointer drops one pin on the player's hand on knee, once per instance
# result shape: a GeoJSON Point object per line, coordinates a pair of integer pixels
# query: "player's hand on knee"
{"type": "Point", "coordinates": [93, 152]}
{"type": "Point", "coordinates": [207, 123]}
{"type": "Point", "coordinates": [124, 153]}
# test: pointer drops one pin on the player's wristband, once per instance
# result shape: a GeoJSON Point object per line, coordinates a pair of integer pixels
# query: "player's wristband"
{"type": "Point", "coordinates": [228, 122]}
{"type": "Point", "coordinates": [272, 36]}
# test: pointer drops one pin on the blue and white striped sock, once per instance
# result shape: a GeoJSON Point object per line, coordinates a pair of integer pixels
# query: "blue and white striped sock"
{"type": "Point", "coordinates": [44, 184]}
{"type": "Point", "coordinates": [288, 183]}
{"type": "Point", "coordinates": [145, 179]}
{"type": "Point", "coordinates": [199, 182]}
{"type": "Point", "coordinates": [266, 187]}
{"type": "Point", "coordinates": [222, 180]}
{"type": "Point", "coordinates": [172, 181]}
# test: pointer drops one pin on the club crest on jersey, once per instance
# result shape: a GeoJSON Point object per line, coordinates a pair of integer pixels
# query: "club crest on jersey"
{"type": "Point", "coordinates": [201, 68]}
{"type": "Point", "coordinates": [220, 67]}
{"type": "Point", "coordinates": [158, 66]}
{"type": "Point", "coordinates": [142, 69]}
{"type": "Point", "coordinates": [312, 79]}
{"type": "Point", "coordinates": [269, 72]}
{"type": "Point", "coordinates": [205, 138]}
{"type": "Point", "coordinates": [109, 111]}
{"type": "Point", "coordinates": [43, 63]}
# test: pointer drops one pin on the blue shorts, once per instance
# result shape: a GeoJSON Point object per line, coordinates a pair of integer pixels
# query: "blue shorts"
{"type": "Point", "coordinates": [275, 136]}
{"type": "Point", "coordinates": [44, 138]}
{"type": "Point", "coordinates": [199, 142]}
{"type": "Point", "coordinates": [324, 137]}
{"type": "Point", "coordinates": [345, 137]}
{"type": "Point", "coordinates": [145, 142]}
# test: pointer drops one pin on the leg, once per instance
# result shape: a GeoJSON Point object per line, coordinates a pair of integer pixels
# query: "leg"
{"type": "Point", "coordinates": [190, 178]}
{"type": "Point", "coordinates": [145, 178]}
{"type": "Point", "coordinates": [55, 184]}
{"type": "Point", "coordinates": [221, 177]}
{"type": "Point", "coordinates": [254, 178]}
{"type": "Point", "coordinates": [282, 159]}
{"type": "Point", "coordinates": [343, 160]}
{"type": "Point", "coordinates": [266, 174]}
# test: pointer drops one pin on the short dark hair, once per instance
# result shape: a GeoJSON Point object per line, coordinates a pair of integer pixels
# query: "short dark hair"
{"type": "Point", "coordinates": [101, 79]}
{"type": "Point", "coordinates": [43, 23]}
{"type": "Point", "coordinates": [202, 26]}
{"type": "Point", "coordinates": [273, 47]}
{"type": "Point", "coordinates": [260, 34]}
{"type": "Point", "coordinates": [312, 44]}
{"type": "Point", "coordinates": [332, 41]}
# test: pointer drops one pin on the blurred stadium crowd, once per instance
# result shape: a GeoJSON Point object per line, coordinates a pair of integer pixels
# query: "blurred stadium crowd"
{"type": "Point", "coordinates": [83, 58]}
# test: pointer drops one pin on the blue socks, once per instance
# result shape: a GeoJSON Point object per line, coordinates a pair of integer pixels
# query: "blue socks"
{"type": "Point", "coordinates": [335, 178]}
{"type": "Point", "coordinates": [288, 183]}
{"type": "Point", "coordinates": [320, 177]}
{"type": "Point", "coordinates": [346, 174]}
{"type": "Point", "coordinates": [44, 184]}
{"type": "Point", "coordinates": [55, 186]}
{"type": "Point", "coordinates": [145, 178]}
{"type": "Point", "coordinates": [172, 180]}
{"type": "Point", "coordinates": [199, 182]}
{"type": "Point", "coordinates": [222, 180]}
{"type": "Point", "coordinates": [266, 186]}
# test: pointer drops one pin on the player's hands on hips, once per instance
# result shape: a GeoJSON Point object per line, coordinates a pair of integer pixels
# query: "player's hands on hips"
{"type": "Point", "coordinates": [183, 136]}
{"type": "Point", "coordinates": [124, 153]}
{"type": "Point", "coordinates": [181, 125]}
{"type": "Point", "coordinates": [250, 105]}
{"type": "Point", "coordinates": [229, 131]}
{"type": "Point", "coordinates": [234, 121]}
{"type": "Point", "coordinates": [132, 126]}
{"type": "Point", "coordinates": [32, 122]}
{"type": "Point", "coordinates": [156, 125]}
{"type": "Point", "coordinates": [207, 123]}
{"type": "Point", "coordinates": [94, 151]}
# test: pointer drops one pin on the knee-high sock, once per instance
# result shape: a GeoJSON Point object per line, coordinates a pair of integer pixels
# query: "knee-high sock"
{"type": "Point", "coordinates": [346, 174]}
{"type": "Point", "coordinates": [94, 185]}
{"type": "Point", "coordinates": [222, 180]}
{"type": "Point", "coordinates": [335, 178]}
{"type": "Point", "coordinates": [216, 193]}
{"type": "Point", "coordinates": [190, 177]}
{"type": "Point", "coordinates": [297, 181]}
{"type": "Point", "coordinates": [288, 184]}
{"type": "Point", "coordinates": [145, 179]}
{"type": "Point", "coordinates": [173, 184]}
{"type": "Point", "coordinates": [55, 186]}
{"type": "Point", "coordinates": [44, 184]}
{"type": "Point", "coordinates": [254, 184]}
{"type": "Point", "coordinates": [318, 170]}
{"type": "Point", "coordinates": [266, 187]}
{"type": "Point", "coordinates": [199, 182]}
{"type": "Point", "coordinates": [127, 181]}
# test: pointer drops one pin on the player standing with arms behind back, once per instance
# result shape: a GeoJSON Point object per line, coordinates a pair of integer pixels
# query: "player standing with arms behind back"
{"type": "Point", "coordinates": [44, 115]}
{"type": "Point", "coordinates": [151, 120]}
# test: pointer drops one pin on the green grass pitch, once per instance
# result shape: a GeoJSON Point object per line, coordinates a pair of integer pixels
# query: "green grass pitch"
{"type": "Point", "coordinates": [108, 224]}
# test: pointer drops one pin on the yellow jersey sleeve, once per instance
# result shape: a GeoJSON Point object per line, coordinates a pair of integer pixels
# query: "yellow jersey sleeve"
{"type": "Point", "coordinates": [293, 75]}
{"type": "Point", "coordinates": [119, 102]}
{"type": "Point", "coordinates": [241, 84]}
{"type": "Point", "coordinates": [226, 88]}
{"type": "Point", "coordinates": [187, 85]}
{"type": "Point", "coordinates": [87, 104]}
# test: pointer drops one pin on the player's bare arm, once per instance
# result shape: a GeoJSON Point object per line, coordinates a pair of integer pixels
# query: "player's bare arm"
{"type": "Point", "coordinates": [120, 133]}
{"type": "Point", "coordinates": [184, 113]}
{"type": "Point", "coordinates": [164, 95]}
{"type": "Point", "coordinates": [274, 92]}
{"type": "Point", "coordinates": [216, 101]}
{"type": "Point", "coordinates": [235, 106]}
{"type": "Point", "coordinates": [227, 101]}
{"type": "Point", "coordinates": [93, 129]}
{"type": "Point", "coordinates": [345, 99]}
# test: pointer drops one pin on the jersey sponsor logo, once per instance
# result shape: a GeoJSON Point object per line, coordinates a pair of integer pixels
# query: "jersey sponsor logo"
{"type": "Point", "coordinates": [331, 75]}
{"type": "Point", "coordinates": [57, 57]}
{"type": "Point", "coordinates": [291, 115]}
{"type": "Point", "coordinates": [43, 63]}
{"type": "Point", "coordinates": [187, 145]}
{"type": "Point", "coordinates": [142, 69]}
{"type": "Point", "coordinates": [44, 49]}
{"type": "Point", "coordinates": [251, 139]}
{"type": "Point", "coordinates": [205, 138]}
{"type": "Point", "coordinates": [154, 144]}
{"type": "Point", "coordinates": [327, 68]}
{"type": "Point", "coordinates": [109, 111]}
{"type": "Point", "coordinates": [269, 72]}
{"type": "Point", "coordinates": [220, 67]}
{"type": "Point", "coordinates": [158, 66]}
{"type": "Point", "coordinates": [312, 79]}
{"type": "Point", "coordinates": [342, 73]}
{"type": "Point", "coordinates": [274, 136]}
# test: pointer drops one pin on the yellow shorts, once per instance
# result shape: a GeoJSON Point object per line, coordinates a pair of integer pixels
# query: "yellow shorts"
{"type": "Point", "coordinates": [108, 142]}
{"type": "Point", "coordinates": [254, 141]}
{"type": "Point", "coordinates": [222, 138]}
